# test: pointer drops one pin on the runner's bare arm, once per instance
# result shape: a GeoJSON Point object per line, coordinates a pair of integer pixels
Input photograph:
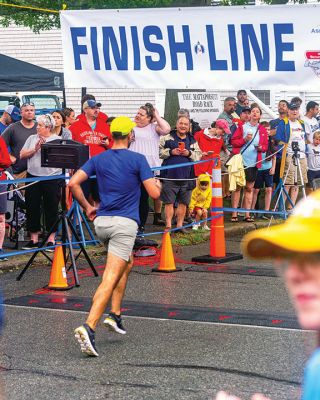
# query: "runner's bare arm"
{"type": "Point", "coordinates": [153, 187]}
{"type": "Point", "coordinates": [74, 185]}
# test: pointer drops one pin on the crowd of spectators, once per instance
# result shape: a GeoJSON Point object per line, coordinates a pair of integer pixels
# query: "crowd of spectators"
{"type": "Point", "coordinates": [237, 135]}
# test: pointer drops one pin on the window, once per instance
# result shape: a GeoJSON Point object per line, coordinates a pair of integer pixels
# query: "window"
{"type": "Point", "coordinates": [263, 95]}
{"type": "Point", "coordinates": [43, 101]}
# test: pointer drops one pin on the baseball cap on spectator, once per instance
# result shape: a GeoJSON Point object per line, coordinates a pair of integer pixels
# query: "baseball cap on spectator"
{"type": "Point", "coordinates": [90, 104]}
{"type": "Point", "coordinates": [223, 124]}
{"type": "Point", "coordinates": [293, 106]}
{"type": "Point", "coordinates": [299, 234]}
{"type": "Point", "coordinates": [14, 112]}
{"type": "Point", "coordinates": [244, 109]}
{"type": "Point", "coordinates": [122, 126]}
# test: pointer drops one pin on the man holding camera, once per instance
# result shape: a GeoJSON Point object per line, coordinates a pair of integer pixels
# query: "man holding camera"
{"type": "Point", "coordinates": [291, 132]}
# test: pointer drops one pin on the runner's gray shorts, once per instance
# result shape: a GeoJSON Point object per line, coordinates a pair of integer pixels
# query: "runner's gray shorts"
{"type": "Point", "coordinates": [118, 234]}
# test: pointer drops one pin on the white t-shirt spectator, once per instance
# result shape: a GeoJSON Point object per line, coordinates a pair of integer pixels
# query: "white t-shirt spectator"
{"type": "Point", "coordinates": [146, 142]}
{"type": "Point", "coordinates": [311, 126]}
{"type": "Point", "coordinates": [297, 134]}
{"type": "Point", "coordinates": [314, 157]}
{"type": "Point", "coordinates": [34, 162]}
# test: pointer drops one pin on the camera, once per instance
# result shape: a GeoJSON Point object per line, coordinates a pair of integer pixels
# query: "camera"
{"type": "Point", "coordinates": [295, 146]}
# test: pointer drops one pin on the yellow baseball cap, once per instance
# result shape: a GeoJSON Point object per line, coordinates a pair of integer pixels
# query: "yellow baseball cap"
{"type": "Point", "coordinates": [122, 125]}
{"type": "Point", "coordinates": [299, 234]}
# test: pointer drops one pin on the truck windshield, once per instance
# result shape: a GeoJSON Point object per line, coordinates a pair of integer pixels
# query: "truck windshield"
{"type": "Point", "coordinates": [43, 101]}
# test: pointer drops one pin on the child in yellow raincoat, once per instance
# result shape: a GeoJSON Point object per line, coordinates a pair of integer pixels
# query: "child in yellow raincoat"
{"type": "Point", "coordinates": [201, 201]}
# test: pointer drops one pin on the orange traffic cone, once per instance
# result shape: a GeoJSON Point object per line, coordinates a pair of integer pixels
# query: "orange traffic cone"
{"type": "Point", "coordinates": [58, 276]}
{"type": "Point", "coordinates": [167, 263]}
{"type": "Point", "coordinates": [217, 236]}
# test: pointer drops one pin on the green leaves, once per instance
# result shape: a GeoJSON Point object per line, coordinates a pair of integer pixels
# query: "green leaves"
{"type": "Point", "coordinates": [39, 19]}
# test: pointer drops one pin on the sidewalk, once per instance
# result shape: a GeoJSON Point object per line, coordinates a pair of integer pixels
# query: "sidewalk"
{"type": "Point", "coordinates": [192, 238]}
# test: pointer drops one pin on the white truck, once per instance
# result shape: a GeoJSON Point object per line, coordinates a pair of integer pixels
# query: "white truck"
{"type": "Point", "coordinates": [44, 102]}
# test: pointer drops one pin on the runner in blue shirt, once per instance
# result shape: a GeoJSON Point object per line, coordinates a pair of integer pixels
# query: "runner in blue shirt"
{"type": "Point", "coordinates": [120, 173]}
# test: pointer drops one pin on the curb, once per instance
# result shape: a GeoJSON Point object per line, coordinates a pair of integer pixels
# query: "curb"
{"type": "Point", "coordinates": [241, 228]}
{"type": "Point", "coordinates": [231, 230]}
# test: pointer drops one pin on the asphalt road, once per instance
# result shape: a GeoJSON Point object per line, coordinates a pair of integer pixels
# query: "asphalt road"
{"type": "Point", "coordinates": [189, 334]}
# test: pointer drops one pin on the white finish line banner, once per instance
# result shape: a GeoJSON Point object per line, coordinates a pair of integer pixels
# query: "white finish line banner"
{"type": "Point", "coordinates": [209, 47]}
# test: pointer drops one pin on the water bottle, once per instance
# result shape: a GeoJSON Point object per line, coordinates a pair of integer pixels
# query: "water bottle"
{"type": "Point", "coordinates": [21, 235]}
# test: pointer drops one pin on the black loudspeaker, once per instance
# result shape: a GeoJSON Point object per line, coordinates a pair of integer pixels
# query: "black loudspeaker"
{"type": "Point", "coordinates": [64, 154]}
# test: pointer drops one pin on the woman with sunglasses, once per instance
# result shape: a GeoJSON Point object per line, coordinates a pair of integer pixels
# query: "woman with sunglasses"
{"type": "Point", "coordinates": [149, 127]}
{"type": "Point", "coordinates": [295, 248]}
{"type": "Point", "coordinates": [44, 194]}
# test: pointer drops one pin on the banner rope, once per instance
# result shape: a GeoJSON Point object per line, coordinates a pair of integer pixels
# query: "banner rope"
{"type": "Point", "coordinates": [64, 6]}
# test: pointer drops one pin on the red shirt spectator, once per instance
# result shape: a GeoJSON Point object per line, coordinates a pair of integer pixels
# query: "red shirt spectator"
{"type": "Point", "coordinates": [5, 160]}
{"type": "Point", "coordinates": [92, 130]}
{"type": "Point", "coordinates": [210, 141]}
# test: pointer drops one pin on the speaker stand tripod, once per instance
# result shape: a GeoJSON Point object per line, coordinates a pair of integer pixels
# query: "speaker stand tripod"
{"type": "Point", "coordinates": [77, 217]}
{"type": "Point", "coordinates": [66, 238]}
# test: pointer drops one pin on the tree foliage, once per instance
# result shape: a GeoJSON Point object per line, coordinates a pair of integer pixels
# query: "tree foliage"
{"type": "Point", "coordinates": [41, 20]}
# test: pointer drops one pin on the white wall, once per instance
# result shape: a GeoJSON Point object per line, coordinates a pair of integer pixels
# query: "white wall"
{"type": "Point", "coordinates": [45, 50]}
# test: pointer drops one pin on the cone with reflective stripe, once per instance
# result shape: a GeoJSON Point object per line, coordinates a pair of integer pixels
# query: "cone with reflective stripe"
{"type": "Point", "coordinates": [217, 236]}
{"type": "Point", "coordinates": [167, 263]}
{"type": "Point", "coordinates": [58, 276]}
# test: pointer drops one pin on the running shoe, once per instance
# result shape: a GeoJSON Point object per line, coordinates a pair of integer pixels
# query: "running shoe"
{"type": "Point", "coordinates": [85, 337]}
{"type": "Point", "coordinates": [1, 254]}
{"type": "Point", "coordinates": [30, 245]}
{"type": "Point", "coordinates": [206, 228]}
{"type": "Point", "coordinates": [114, 323]}
{"type": "Point", "coordinates": [49, 247]}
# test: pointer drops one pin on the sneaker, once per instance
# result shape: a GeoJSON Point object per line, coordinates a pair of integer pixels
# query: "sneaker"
{"type": "Point", "coordinates": [114, 323]}
{"type": "Point", "coordinates": [51, 249]}
{"type": "Point", "coordinates": [206, 228]}
{"type": "Point", "coordinates": [30, 245]}
{"type": "Point", "coordinates": [3, 258]}
{"type": "Point", "coordinates": [195, 227]}
{"type": "Point", "coordinates": [265, 217]}
{"type": "Point", "coordinates": [85, 337]}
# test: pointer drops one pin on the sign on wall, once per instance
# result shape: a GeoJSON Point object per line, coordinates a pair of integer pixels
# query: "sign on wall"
{"type": "Point", "coordinates": [211, 47]}
{"type": "Point", "coordinates": [202, 106]}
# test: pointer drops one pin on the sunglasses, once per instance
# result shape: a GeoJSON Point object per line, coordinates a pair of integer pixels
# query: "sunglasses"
{"type": "Point", "coordinates": [27, 104]}
{"type": "Point", "coordinates": [204, 183]}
